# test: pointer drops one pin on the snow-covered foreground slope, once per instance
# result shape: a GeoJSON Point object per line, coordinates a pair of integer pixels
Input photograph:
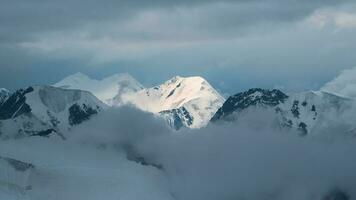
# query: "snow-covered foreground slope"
{"type": "Point", "coordinates": [73, 172]}
{"type": "Point", "coordinates": [42, 110]}
{"type": "Point", "coordinates": [308, 112]}
{"type": "Point", "coordinates": [194, 97]}
{"type": "Point", "coordinates": [106, 89]}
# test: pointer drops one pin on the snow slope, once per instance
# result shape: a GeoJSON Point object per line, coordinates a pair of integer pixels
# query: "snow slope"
{"type": "Point", "coordinates": [317, 111]}
{"type": "Point", "coordinates": [308, 112]}
{"type": "Point", "coordinates": [106, 89]}
{"type": "Point", "coordinates": [41, 110]}
{"type": "Point", "coordinates": [343, 85]}
{"type": "Point", "coordinates": [194, 94]}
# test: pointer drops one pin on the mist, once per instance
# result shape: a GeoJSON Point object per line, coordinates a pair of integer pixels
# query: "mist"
{"type": "Point", "coordinates": [247, 159]}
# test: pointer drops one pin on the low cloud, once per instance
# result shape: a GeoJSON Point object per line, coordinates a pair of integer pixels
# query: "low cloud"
{"type": "Point", "coordinates": [230, 161]}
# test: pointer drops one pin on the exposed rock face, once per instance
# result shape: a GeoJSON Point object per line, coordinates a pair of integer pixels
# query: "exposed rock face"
{"type": "Point", "coordinates": [178, 118]}
{"type": "Point", "coordinates": [78, 114]}
{"type": "Point", "coordinates": [15, 105]}
{"type": "Point", "coordinates": [252, 97]}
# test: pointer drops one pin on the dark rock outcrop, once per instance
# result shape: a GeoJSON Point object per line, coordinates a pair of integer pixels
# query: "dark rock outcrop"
{"type": "Point", "coordinates": [252, 97]}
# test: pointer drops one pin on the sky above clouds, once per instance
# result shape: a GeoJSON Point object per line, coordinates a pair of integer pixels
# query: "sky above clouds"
{"type": "Point", "coordinates": [235, 45]}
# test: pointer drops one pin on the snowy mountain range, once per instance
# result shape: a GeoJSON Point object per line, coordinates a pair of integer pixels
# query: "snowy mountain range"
{"type": "Point", "coordinates": [189, 102]}
{"type": "Point", "coordinates": [182, 101]}
{"type": "Point", "coordinates": [43, 110]}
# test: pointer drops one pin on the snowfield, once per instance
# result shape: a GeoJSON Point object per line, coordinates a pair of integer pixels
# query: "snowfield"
{"type": "Point", "coordinates": [107, 89]}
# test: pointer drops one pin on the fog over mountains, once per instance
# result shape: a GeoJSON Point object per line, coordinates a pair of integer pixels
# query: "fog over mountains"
{"type": "Point", "coordinates": [114, 138]}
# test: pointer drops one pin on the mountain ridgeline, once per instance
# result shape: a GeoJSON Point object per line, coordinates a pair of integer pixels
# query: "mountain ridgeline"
{"type": "Point", "coordinates": [45, 110]}
{"type": "Point", "coordinates": [183, 102]}
{"type": "Point", "coordinates": [252, 97]}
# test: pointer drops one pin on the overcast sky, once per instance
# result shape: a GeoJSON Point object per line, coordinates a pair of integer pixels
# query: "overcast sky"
{"type": "Point", "coordinates": [235, 45]}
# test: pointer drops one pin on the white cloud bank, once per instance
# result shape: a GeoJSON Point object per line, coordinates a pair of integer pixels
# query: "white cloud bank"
{"type": "Point", "coordinates": [344, 84]}
{"type": "Point", "coordinates": [230, 161]}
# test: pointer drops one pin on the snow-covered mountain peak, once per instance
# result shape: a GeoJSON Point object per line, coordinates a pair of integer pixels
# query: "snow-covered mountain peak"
{"type": "Point", "coordinates": [120, 77]}
{"type": "Point", "coordinates": [195, 94]}
{"type": "Point", "coordinates": [78, 76]}
{"type": "Point", "coordinates": [178, 79]}
{"type": "Point", "coordinates": [105, 89]}
{"type": "Point", "coordinates": [74, 79]}
{"type": "Point", "coordinates": [180, 90]}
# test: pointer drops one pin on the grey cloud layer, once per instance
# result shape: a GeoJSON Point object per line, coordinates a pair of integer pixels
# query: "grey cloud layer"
{"type": "Point", "coordinates": [57, 38]}
{"type": "Point", "coordinates": [21, 20]}
{"type": "Point", "coordinates": [247, 159]}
